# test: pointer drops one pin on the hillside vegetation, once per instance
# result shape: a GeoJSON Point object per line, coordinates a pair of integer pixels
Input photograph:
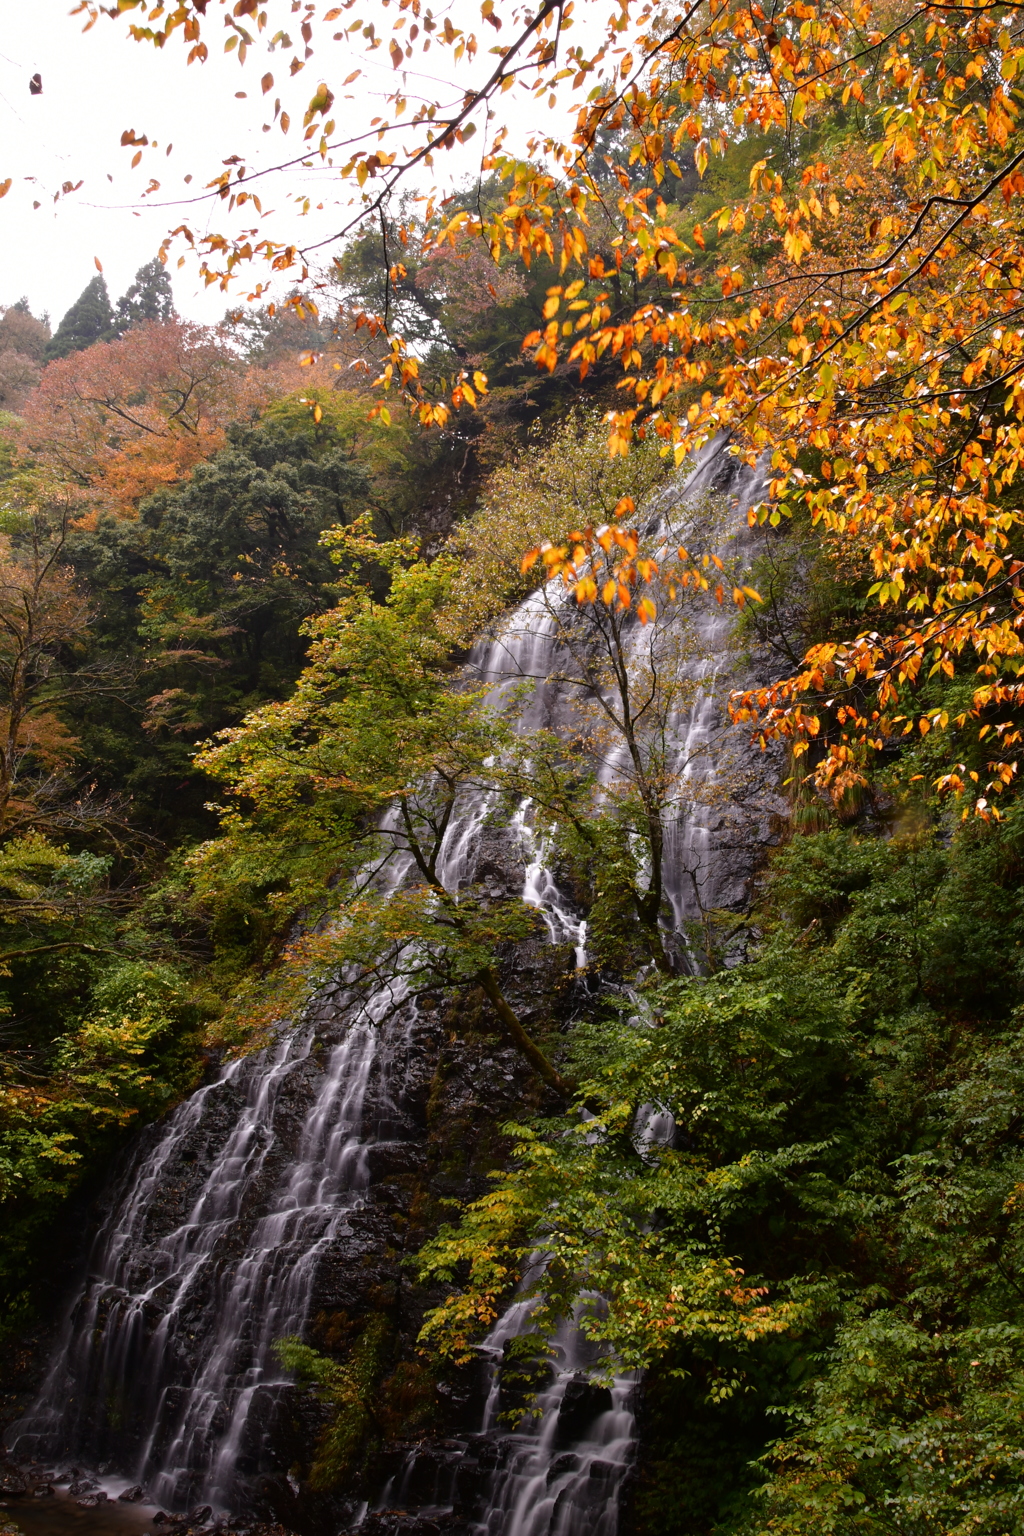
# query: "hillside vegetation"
{"type": "Point", "coordinates": [236, 603]}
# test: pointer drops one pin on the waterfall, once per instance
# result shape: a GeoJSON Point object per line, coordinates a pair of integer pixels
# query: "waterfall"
{"type": "Point", "coordinates": [234, 1215]}
{"type": "Point", "coordinates": [563, 1470]}
{"type": "Point", "coordinates": [128, 1383]}
{"type": "Point", "coordinates": [563, 1478]}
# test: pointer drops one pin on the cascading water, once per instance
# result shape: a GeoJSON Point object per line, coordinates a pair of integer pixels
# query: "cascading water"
{"type": "Point", "coordinates": [222, 1227]}
{"type": "Point", "coordinates": [128, 1381]}
{"type": "Point", "coordinates": [562, 1472]}
{"type": "Point", "coordinates": [564, 1478]}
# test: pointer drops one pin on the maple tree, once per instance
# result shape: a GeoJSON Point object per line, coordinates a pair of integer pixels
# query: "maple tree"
{"type": "Point", "coordinates": [123, 418]}
{"type": "Point", "coordinates": [23, 341]}
{"type": "Point", "coordinates": [43, 620]}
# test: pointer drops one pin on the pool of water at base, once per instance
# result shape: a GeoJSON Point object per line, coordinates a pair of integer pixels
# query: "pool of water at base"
{"type": "Point", "coordinates": [60, 1515]}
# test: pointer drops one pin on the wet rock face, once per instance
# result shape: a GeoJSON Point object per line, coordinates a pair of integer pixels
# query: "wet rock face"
{"type": "Point", "coordinates": [400, 1523]}
{"type": "Point", "coordinates": [439, 1083]}
{"type": "Point", "coordinates": [13, 1483]}
{"type": "Point", "coordinates": [285, 1197]}
{"type": "Point", "coordinates": [582, 1402]}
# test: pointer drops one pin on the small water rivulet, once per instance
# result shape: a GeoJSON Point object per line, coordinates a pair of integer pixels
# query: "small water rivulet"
{"type": "Point", "coordinates": [252, 1203]}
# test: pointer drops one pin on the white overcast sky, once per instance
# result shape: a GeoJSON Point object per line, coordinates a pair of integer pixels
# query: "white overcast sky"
{"type": "Point", "coordinates": [97, 85]}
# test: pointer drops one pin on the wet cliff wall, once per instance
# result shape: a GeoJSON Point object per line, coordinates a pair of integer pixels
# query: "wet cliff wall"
{"type": "Point", "coordinates": [286, 1198]}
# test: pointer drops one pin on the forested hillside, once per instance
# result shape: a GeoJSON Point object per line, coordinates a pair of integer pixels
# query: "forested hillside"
{"type": "Point", "coordinates": [407, 644]}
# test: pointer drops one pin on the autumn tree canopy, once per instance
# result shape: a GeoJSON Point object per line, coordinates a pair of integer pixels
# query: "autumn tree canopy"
{"type": "Point", "coordinates": [851, 312]}
{"type": "Point", "coordinates": [123, 418]}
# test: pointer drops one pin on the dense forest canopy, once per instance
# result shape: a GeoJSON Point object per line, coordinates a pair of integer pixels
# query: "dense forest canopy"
{"type": "Point", "coordinates": [849, 296]}
{"type": "Point", "coordinates": [242, 571]}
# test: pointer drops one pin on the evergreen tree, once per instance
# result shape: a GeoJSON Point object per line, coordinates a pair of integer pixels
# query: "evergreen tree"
{"type": "Point", "coordinates": [90, 319]}
{"type": "Point", "coordinates": [148, 298]}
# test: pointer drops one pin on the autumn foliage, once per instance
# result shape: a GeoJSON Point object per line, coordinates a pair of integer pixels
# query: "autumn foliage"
{"type": "Point", "coordinates": [125, 418]}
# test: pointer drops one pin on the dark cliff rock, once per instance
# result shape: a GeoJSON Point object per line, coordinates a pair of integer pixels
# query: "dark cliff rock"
{"type": "Point", "coordinates": [440, 1087]}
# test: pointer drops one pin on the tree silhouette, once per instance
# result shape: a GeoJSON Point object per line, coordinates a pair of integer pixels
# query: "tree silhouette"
{"type": "Point", "coordinates": [148, 298]}
{"type": "Point", "coordinates": [90, 319]}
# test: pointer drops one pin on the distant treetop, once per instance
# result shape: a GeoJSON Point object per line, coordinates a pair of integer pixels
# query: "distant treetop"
{"type": "Point", "coordinates": [92, 318]}
{"type": "Point", "coordinates": [148, 298]}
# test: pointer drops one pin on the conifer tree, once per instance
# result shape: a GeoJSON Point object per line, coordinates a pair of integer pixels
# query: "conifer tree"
{"type": "Point", "coordinates": [90, 319]}
{"type": "Point", "coordinates": [148, 298]}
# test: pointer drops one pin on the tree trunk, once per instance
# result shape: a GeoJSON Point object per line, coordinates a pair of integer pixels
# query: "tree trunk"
{"type": "Point", "coordinates": [520, 1039]}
